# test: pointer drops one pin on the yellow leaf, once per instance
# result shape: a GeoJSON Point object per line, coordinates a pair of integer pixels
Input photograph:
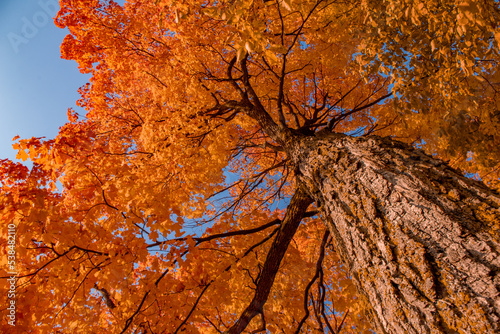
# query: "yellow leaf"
{"type": "Point", "coordinates": [286, 4]}
{"type": "Point", "coordinates": [22, 155]}
{"type": "Point", "coordinates": [241, 53]}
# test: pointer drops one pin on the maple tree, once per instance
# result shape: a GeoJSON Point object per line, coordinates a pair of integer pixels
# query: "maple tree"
{"type": "Point", "coordinates": [252, 166]}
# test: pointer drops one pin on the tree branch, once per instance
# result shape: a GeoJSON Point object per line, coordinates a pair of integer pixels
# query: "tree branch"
{"type": "Point", "coordinates": [319, 265]}
{"type": "Point", "coordinates": [295, 212]}
{"type": "Point", "coordinates": [221, 235]}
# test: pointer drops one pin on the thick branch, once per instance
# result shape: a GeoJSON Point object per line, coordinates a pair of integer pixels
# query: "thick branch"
{"type": "Point", "coordinates": [254, 108]}
{"type": "Point", "coordinates": [295, 212]}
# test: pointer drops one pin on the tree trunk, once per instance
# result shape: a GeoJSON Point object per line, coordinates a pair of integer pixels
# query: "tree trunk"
{"type": "Point", "coordinates": [420, 240]}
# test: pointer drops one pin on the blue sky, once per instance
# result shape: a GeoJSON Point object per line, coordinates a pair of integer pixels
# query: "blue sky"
{"type": "Point", "coordinates": [36, 85]}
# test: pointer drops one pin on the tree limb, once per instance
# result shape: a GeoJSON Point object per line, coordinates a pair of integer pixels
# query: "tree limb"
{"type": "Point", "coordinates": [295, 212]}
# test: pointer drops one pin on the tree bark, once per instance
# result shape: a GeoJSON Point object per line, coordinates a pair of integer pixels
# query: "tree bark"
{"type": "Point", "coordinates": [421, 241]}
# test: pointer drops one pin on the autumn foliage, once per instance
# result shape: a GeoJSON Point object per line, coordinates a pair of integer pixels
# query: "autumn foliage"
{"type": "Point", "coordinates": [155, 211]}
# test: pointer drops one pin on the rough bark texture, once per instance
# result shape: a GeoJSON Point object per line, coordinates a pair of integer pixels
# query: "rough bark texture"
{"type": "Point", "coordinates": [420, 240]}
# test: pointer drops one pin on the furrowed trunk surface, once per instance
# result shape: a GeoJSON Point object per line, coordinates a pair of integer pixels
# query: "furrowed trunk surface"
{"type": "Point", "coordinates": [420, 240]}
